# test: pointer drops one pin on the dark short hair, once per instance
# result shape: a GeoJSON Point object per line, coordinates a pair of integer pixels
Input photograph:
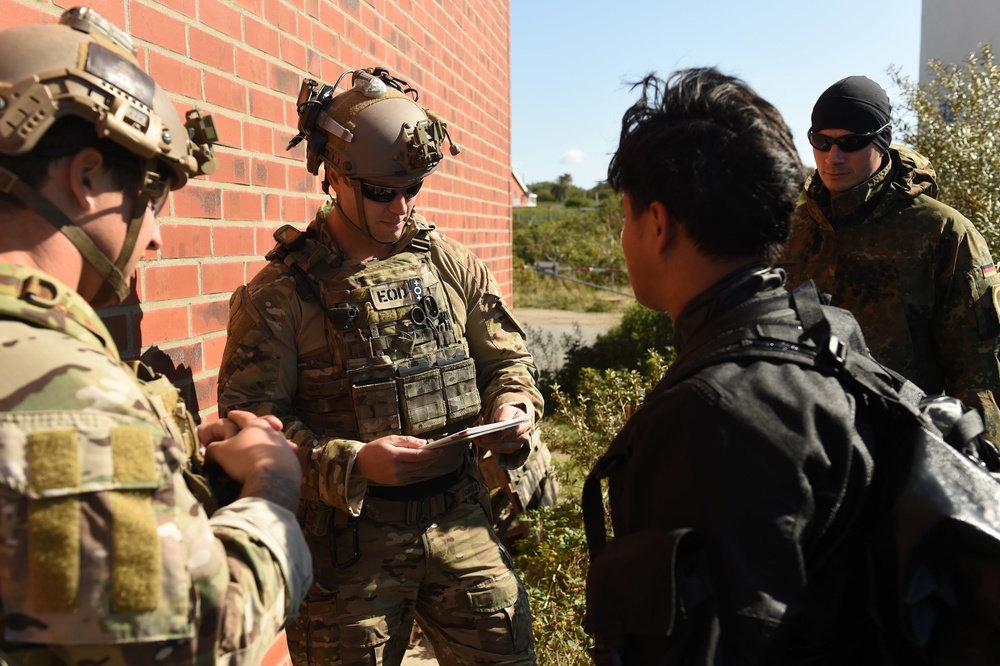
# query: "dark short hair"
{"type": "Point", "coordinates": [718, 156]}
{"type": "Point", "coordinates": [67, 137]}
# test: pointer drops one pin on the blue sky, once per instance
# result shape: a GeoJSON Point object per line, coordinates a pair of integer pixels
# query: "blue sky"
{"type": "Point", "coordinates": [572, 60]}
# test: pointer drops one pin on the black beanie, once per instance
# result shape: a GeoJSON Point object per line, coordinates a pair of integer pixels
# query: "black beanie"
{"type": "Point", "coordinates": [857, 104]}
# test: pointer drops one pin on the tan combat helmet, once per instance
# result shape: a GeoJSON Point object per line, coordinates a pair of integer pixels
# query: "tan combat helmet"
{"type": "Point", "coordinates": [84, 66]}
{"type": "Point", "coordinates": [372, 132]}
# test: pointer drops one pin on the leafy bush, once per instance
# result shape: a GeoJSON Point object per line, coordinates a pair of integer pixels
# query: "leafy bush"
{"type": "Point", "coordinates": [957, 122]}
{"type": "Point", "coordinates": [625, 346]}
{"type": "Point", "coordinates": [555, 565]}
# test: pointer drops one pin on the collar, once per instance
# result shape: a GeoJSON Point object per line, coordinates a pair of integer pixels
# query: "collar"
{"type": "Point", "coordinates": [724, 295]}
{"type": "Point", "coordinates": [853, 206]}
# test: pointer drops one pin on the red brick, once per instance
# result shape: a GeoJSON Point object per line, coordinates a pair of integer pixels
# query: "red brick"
{"type": "Point", "coordinates": [225, 92]}
{"type": "Point", "coordinates": [267, 106]}
{"type": "Point", "coordinates": [156, 27]}
{"type": "Point", "coordinates": [16, 15]}
{"type": "Point", "coordinates": [242, 205]}
{"type": "Point", "coordinates": [178, 362]}
{"type": "Point", "coordinates": [186, 7]}
{"type": "Point", "coordinates": [223, 18]}
{"type": "Point", "coordinates": [209, 317]}
{"type": "Point", "coordinates": [293, 51]}
{"type": "Point", "coordinates": [272, 207]}
{"type": "Point", "coordinates": [284, 80]}
{"type": "Point", "coordinates": [280, 15]}
{"type": "Point", "coordinates": [214, 348]}
{"type": "Point", "coordinates": [205, 389]}
{"type": "Point", "coordinates": [198, 201]}
{"type": "Point", "coordinates": [260, 36]}
{"type": "Point", "coordinates": [221, 277]}
{"type": "Point", "coordinates": [267, 173]}
{"type": "Point", "coordinates": [164, 324]}
{"type": "Point", "coordinates": [258, 138]}
{"type": "Point", "coordinates": [298, 210]}
{"type": "Point", "coordinates": [251, 67]}
{"type": "Point", "coordinates": [185, 240]}
{"type": "Point", "coordinates": [254, 267]}
{"type": "Point", "coordinates": [169, 282]}
{"type": "Point", "coordinates": [331, 16]}
{"type": "Point", "coordinates": [233, 168]}
{"type": "Point", "coordinates": [301, 180]}
{"type": "Point", "coordinates": [255, 7]}
{"type": "Point", "coordinates": [174, 75]}
{"type": "Point", "coordinates": [211, 50]}
{"type": "Point", "coordinates": [233, 241]}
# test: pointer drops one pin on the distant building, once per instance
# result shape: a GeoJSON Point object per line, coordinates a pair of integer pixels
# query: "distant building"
{"type": "Point", "coordinates": [950, 31]}
{"type": "Point", "coordinates": [519, 194]}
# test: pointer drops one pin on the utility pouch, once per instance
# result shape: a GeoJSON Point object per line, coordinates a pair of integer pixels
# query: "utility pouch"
{"type": "Point", "coordinates": [460, 391]}
{"type": "Point", "coordinates": [376, 410]}
{"type": "Point", "coordinates": [422, 401]}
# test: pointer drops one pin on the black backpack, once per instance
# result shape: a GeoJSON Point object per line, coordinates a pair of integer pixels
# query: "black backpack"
{"type": "Point", "coordinates": [934, 551]}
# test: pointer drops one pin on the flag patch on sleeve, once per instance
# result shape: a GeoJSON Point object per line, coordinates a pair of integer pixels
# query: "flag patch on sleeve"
{"type": "Point", "coordinates": [989, 270]}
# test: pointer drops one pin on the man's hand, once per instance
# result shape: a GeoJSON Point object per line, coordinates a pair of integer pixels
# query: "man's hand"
{"type": "Point", "coordinates": [394, 460]}
{"type": "Point", "coordinates": [511, 439]}
{"type": "Point", "coordinates": [253, 452]}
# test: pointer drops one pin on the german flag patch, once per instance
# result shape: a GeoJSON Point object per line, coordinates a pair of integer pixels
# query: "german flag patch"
{"type": "Point", "coordinates": [989, 270]}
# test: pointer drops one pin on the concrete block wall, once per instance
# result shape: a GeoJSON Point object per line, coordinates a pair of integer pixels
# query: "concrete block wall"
{"type": "Point", "coordinates": [243, 62]}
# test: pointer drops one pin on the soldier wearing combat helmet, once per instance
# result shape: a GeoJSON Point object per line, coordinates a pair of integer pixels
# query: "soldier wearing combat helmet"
{"type": "Point", "coordinates": [369, 335]}
{"type": "Point", "coordinates": [107, 555]}
{"type": "Point", "coordinates": [916, 273]}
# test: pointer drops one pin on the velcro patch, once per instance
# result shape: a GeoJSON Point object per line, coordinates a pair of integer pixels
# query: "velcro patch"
{"type": "Point", "coordinates": [53, 459]}
{"type": "Point", "coordinates": [133, 454]}
{"type": "Point", "coordinates": [54, 553]}
{"type": "Point", "coordinates": [135, 579]}
{"type": "Point", "coordinates": [392, 295]}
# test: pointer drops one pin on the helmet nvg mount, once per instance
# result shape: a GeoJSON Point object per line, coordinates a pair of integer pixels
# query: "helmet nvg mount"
{"type": "Point", "coordinates": [86, 67]}
{"type": "Point", "coordinates": [372, 132]}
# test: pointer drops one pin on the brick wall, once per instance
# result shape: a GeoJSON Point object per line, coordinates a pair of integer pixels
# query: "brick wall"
{"type": "Point", "coordinates": [243, 61]}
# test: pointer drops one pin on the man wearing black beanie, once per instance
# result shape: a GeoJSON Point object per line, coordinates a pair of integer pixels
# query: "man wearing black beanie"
{"type": "Point", "coordinates": [916, 273]}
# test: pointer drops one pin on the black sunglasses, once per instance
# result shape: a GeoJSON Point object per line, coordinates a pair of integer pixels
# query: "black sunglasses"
{"type": "Point", "coordinates": [849, 143]}
{"type": "Point", "coordinates": [383, 195]}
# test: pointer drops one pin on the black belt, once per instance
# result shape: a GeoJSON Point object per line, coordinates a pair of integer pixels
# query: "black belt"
{"type": "Point", "coordinates": [419, 490]}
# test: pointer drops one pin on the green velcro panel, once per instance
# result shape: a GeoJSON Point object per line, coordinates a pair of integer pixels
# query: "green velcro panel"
{"type": "Point", "coordinates": [53, 460]}
{"type": "Point", "coordinates": [54, 548]}
{"type": "Point", "coordinates": [133, 455]}
{"type": "Point", "coordinates": [135, 578]}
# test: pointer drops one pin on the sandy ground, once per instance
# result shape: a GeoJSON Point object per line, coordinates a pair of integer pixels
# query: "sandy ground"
{"type": "Point", "coordinates": [546, 328]}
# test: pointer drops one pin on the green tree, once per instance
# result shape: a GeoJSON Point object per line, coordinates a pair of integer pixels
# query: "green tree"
{"type": "Point", "coordinates": [957, 121]}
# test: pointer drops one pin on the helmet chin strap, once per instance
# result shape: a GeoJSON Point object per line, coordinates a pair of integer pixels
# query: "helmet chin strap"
{"type": "Point", "coordinates": [362, 225]}
{"type": "Point", "coordinates": [116, 285]}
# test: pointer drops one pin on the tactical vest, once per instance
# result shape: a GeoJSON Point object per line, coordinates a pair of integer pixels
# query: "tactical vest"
{"type": "Point", "coordinates": [398, 365]}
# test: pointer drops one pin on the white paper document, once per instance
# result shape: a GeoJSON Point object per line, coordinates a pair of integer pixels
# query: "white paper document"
{"type": "Point", "coordinates": [475, 431]}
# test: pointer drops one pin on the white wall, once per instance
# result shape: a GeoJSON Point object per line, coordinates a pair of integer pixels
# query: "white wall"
{"type": "Point", "coordinates": [952, 29]}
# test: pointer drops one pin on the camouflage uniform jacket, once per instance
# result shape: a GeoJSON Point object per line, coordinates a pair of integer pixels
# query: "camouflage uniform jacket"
{"type": "Point", "coordinates": [916, 274]}
{"type": "Point", "coordinates": [283, 359]}
{"type": "Point", "coordinates": [106, 556]}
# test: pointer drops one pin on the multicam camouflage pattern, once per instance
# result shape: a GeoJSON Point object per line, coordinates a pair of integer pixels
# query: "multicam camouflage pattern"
{"type": "Point", "coordinates": [106, 555]}
{"type": "Point", "coordinates": [442, 563]}
{"type": "Point", "coordinates": [432, 556]}
{"type": "Point", "coordinates": [278, 360]}
{"type": "Point", "coordinates": [916, 274]}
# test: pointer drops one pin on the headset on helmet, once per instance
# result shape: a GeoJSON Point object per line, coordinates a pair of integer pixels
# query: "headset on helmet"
{"type": "Point", "coordinates": [84, 66]}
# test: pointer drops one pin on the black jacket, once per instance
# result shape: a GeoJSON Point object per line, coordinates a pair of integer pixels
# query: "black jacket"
{"type": "Point", "coordinates": [730, 494]}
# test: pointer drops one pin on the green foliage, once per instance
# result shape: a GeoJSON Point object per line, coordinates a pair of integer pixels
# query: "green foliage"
{"type": "Point", "coordinates": [555, 565]}
{"type": "Point", "coordinates": [957, 122]}
{"type": "Point", "coordinates": [626, 346]}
